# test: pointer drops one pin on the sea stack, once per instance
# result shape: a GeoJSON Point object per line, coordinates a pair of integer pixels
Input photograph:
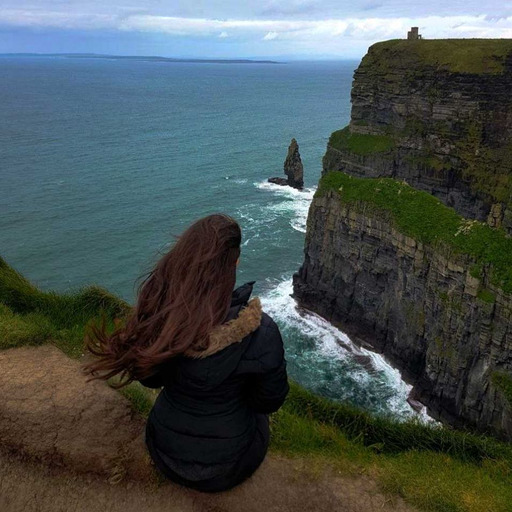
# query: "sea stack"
{"type": "Point", "coordinates": [293, 168]}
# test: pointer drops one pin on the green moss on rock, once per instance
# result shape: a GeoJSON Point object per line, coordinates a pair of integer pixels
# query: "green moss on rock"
{"type": "Point", "coordinates": [486, 295]}
{"type": "Point", "coordinates": [360, 144]}
{"type": "Point", "coordinates": [503, 381]}
{"type": "Point", "coordinates": [486, 169]}
{"type": "Point", "coordinates": [426, 219]}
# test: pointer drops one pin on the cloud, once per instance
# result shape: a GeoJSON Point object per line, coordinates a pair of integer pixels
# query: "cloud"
{"type": "Point", "coordinates": [56, 19]}
{"type": "Point", "coordinates": [204, 26]}
{"type": "Point", "coordinates": [269, 36]}
{"type": "Point", "coordinates": [498, 17]}
{"type": "Point", "coordinates": [334, 35]}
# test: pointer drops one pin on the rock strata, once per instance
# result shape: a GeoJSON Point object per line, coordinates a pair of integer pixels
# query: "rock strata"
{"type": "Point", "coordinates": [420, 306]}
{"type": "Point", "coordinates": [446, 118]}
{"type": "Point", "coordinates": [436, 115]}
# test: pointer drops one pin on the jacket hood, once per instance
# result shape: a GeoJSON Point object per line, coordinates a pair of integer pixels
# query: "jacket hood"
{"type": "Point", "coordinates": [209, 367]}
{"type": "Point", "coordinates": [232, 331]}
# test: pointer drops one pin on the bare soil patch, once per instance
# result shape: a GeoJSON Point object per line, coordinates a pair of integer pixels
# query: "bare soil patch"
{"type": "Point", "coordinates": [70, 445]}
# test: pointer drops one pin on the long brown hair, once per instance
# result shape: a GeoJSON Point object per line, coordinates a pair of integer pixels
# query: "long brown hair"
{"type": "Point", "coordinates": [182, 299]}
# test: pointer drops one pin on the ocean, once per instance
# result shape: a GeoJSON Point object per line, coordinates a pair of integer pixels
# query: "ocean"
{"type": "Point", "coordinates": [103, 161]}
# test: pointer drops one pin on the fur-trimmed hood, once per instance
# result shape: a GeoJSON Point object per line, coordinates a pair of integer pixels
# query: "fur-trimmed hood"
{"type": "Point", "coordinates": [233, 331]}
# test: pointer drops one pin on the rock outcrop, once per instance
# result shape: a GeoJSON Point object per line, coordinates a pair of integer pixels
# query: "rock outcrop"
{"type": "Point", "coordinates": [437, 114]}
{"type": "Point", "coordinates": [293, 168]}
{"type": "Point", "coordinates": [395, 265]}
{"type": "Point", "coordinates": [50, 413]}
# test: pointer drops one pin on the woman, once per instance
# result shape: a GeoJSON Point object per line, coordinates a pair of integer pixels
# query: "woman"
{"type": "Point", "coordinates": [218, 357]}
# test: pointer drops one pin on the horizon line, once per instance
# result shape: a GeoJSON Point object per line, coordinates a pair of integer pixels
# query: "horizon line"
{"type": "Point", "coordinates": [158, 58]}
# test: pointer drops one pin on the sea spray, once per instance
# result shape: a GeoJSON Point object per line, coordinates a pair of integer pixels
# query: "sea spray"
{"type": "Point", "coordinates": [325, 360]}
{"type": "Point", "coordinates": [320, 356]}
{"type": "Point", "coordinates": [295, 204]}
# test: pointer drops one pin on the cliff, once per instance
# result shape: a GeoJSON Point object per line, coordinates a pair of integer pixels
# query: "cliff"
{"type": "Point", "coordinates": [437, 114]}
{"type": "Point", "coordinates": [397, 268]}
{"type": "Point", "coordinates": [408, 241]}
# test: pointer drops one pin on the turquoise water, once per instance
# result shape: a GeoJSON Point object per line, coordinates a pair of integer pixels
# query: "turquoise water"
{"type": "Point", "coordinates": [103, 161]}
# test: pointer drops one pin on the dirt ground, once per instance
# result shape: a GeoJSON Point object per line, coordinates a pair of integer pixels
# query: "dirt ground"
{"type": "Point", "coordinates": [70, 445]}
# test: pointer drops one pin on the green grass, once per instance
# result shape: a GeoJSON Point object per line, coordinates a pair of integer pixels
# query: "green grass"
{"type": "Point", "coordinates": [437, 482]}
{"type": "Point", "coordinates": [388, 436]}
{"type": "Point", "coordinates": [431, 467]}
{"type": "Point", "coordinates": [476, 56]}
{"type": "Point", "coordinates": [425, 218]}
{"type": "Point", "coordinates": [360, 144]}
{"type": "Point", "coordinates": [140, 397]}
{"type": "Point", "coordinates": [31, 316]}
{"type": "Point", "coordinates": [17, 330]}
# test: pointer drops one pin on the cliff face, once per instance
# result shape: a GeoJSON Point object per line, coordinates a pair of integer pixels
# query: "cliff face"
{"type": "Point", "coordinates": [440, 314]}
{"type": "Point", "coordinates": [437, 114]}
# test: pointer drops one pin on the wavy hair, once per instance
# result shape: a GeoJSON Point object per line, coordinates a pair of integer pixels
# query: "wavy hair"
{"type": "Point", "coordinates": [182, 299]}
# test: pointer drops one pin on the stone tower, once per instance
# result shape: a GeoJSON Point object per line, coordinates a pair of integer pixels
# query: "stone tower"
{"type": "Point", "coordinates": [413, 34]}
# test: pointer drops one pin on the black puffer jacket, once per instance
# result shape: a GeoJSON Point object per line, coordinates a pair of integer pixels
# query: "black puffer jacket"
{"type": "Point", "coordinates": [204, 419]}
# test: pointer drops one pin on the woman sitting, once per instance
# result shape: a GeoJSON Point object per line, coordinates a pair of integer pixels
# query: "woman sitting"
{"type": "Point", "coordinates": [218, 357]}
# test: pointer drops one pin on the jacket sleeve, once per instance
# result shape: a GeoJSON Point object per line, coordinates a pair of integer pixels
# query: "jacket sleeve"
{"type": "Point", "coordinates": [153, 381]}
{"type": "Point", "coordinates": [266, 390]}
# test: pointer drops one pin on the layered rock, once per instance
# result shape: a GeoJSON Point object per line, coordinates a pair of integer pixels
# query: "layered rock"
{"type": "Point", "coordinates": [437, 114]}
{"type": "Point", "coordinates": [440, 314]}
{"type": "Point", "coordinates": [293, 168]}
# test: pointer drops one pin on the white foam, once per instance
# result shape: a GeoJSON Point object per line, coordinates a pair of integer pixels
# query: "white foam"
{"type": "Point", "coordinates": [296, 202]}
{"type": "Point", "coordinates": [238, 181]}
{"type": "Point", "coordinates": [333, 344]}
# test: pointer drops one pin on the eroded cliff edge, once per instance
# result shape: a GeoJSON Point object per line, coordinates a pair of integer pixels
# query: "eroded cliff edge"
{"type": "Point", "coordinates": [439, 115]}
{"type": "Point", "coordinates": [419, 262]}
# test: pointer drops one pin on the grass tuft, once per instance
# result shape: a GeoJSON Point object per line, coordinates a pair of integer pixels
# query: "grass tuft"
{"type": "Point", "coordinates": [141, 398]}
{"type": "Point", "coordinates": [360, 144]}
{"type": "Point", "coordinates": [486, 295]}
{"type": "Point", "coordinates": [389, 436]}
{"type": "Point", "coordinates": [31, 316]}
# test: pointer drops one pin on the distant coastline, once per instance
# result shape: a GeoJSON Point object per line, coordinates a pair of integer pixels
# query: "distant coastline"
{"type": "Point", "coordinates": [139, 58]}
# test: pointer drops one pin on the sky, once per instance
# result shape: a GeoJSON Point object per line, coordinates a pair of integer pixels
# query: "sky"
{"type": "Point", "coordinates": [277, 29]}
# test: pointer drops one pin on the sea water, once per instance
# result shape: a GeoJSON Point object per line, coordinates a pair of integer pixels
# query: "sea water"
{"type": "Point", "coordinates": [103, 161]}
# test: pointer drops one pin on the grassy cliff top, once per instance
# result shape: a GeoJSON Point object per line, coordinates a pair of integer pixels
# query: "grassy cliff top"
{"type": "Point", "coordinates": [426, 219]}
{"type": "Point", "coordinates": [476, 56]}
